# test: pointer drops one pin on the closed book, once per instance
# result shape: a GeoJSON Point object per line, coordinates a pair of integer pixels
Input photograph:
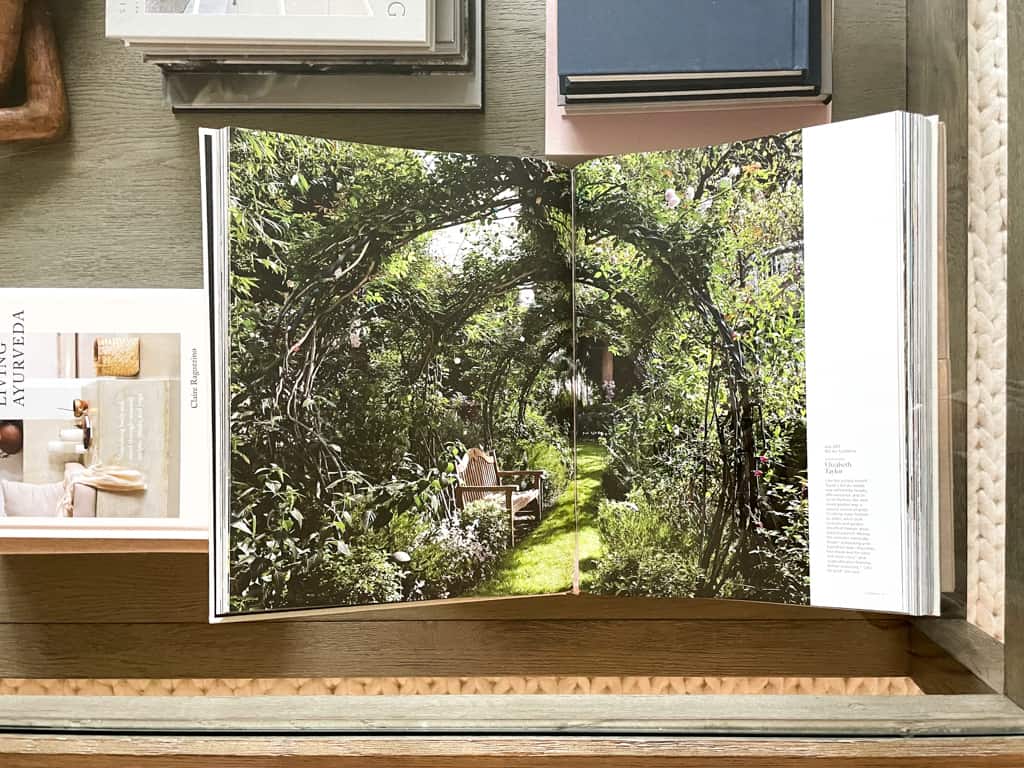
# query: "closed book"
{"type": "Point", "coordinates": [611, 50]}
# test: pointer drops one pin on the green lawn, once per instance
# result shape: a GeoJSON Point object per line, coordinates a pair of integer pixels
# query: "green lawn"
{"type": "Point", "coordinates": [543, 562]}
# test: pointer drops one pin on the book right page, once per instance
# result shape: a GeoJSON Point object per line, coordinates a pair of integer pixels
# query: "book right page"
{"type": "Point", "coordinates": [690, 339]}
{"type": "Point", "coordinates": [856, 340]}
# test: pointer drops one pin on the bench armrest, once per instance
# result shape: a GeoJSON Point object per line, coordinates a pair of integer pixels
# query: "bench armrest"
{"type": "Point", "coordinates": [536, 476]}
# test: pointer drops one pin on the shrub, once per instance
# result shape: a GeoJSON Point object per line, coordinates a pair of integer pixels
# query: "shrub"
{"type": "Point", "coordinates": [405, 532]}
{"type": "Point", "coordinates": [492, 524]}
{"type": "Point", "coordinates": [645, 573]}
{"type": "Point", "coordinates": [366, 575]}
{"type": "Point", "coordinates": [552, 461]}
{"type": "Point", "coordinates": [629, 525]}
{"type": "Point", "coordinates": [783, 573]}
{"type": "Point", "coordinates": [645, 556]}
{"type": "Point", "coordinates": [453, 561]}
{"type": "Point", "coordinates": [462, 551]}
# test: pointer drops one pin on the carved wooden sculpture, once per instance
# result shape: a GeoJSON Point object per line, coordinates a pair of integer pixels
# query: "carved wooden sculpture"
{"type": "Point", "coordinates": [44, 114]}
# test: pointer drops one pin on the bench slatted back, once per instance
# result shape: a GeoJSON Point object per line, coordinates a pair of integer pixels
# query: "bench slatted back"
{"type": "Point", "coordinates": [477, 467]}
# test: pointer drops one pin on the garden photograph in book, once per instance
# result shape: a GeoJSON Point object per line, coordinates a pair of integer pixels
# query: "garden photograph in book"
{"type": "Point", "coordinates": [689, 284]}
{"type": "Point", "coordinates": [408, 374]}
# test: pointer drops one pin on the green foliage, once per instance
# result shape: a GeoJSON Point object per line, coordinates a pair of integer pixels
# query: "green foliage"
{"type": "Point", "coordinates": [389, 306]}
{"type": "Point", "coordinates": [705, 305]}
{"type": "Point", "coordinates": [551, 460]}
{"type": "Point", "coordinates": [645, 573]}
{"type": "Point", "coordinates": [462, 551]}
{"type": "Point", "coordinates": [645, 555]}
{"type": "Point", "coordinates": [377, 322]}
{"type": "Point", "coordinates": [783, 549]}
{"type": "Point", "coordinates": [363, 576]}
{"type": "Point", "coordinates": [490, 522]}
{"type": "Point", "coordinates": [625, 525]}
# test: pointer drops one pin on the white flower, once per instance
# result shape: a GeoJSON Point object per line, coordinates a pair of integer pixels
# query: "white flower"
{"type": "Point", "coordinates": [704, 205]}
{"type": "Point", "coordinates": [691, 192]}
{"type": "Point", "coordinates": [354, 340]}
{"type": "Point", "coordinates": [672, 200]}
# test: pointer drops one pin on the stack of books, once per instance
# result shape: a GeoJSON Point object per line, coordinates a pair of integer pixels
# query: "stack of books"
{"type": "Point", "coordinates": [309, 54]}
{"type": "Point", "coordinates": [684, 54]}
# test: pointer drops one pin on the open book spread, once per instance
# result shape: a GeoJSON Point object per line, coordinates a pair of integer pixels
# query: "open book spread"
{"type": "Point", "coordinates": [695, 373]}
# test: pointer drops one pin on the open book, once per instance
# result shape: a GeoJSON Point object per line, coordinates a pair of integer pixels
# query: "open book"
{"type": "Point", "coordinates": [706, 373]}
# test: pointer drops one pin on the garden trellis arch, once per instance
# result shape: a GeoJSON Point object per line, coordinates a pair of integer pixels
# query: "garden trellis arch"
{"type": "Point", "coordinates": [454, 190]}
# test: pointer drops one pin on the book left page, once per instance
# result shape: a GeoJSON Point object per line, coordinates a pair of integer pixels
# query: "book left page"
{"type": "Point", "coordinates": [99, 391]}
{"type": "Point", "coordinates": [401, 376]}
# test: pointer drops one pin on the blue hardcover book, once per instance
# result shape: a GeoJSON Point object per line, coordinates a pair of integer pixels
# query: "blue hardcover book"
{"type": "Point", "coordinates": [689, 48]}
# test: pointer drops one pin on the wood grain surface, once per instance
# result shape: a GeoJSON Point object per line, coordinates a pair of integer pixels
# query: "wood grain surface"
{"type": "Point", "coordinates": [1014, 628]}
{"type": "Point", "coordinates": [937, 85]}
{"type": "Point", "coordinates": [917, 716]}
{"type": "Point", "coordinates": [474, 648]}
{"type": "Point", "coordinates": [43, 116]}
{"type": "Point", "coordinates": [47, 751]}
{"type": "Point", "coordinates": [12, 13]}
{"type": "Point", "coordinates": [975, 649]}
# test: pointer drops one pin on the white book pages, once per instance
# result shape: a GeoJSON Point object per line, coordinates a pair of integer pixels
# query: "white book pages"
{"type": "Point", "coordinates": [358, 22]}
{"type": "Point", "coordinates": [463, 90]}
{"type": "Point", "coordinates": [857, 473]}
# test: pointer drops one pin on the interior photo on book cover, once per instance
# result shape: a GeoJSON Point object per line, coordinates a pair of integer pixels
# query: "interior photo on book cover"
{"type": "Point", "coordinates": [461, 376]}
{"type": "Point", "coordinates": [87, 400]}
{"type": "Point", "coordinates": [262, 7]}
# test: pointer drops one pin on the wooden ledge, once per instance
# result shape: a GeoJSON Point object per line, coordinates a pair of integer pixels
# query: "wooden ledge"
{"type": "Point", "coordinates": [504, 752]}
{"type": "Point", "coordinates": [787, 715]}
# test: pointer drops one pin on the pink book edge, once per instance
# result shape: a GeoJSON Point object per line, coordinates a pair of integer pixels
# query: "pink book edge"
{"type": "Point", "coordinates": [568, 138]}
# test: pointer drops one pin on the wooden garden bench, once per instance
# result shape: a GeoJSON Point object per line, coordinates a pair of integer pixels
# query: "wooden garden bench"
{"type": "Point", "coordinates": [480, 478]}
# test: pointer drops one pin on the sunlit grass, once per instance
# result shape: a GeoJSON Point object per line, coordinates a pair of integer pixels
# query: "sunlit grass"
{"type": "Point", "coordinates": [542, 563]}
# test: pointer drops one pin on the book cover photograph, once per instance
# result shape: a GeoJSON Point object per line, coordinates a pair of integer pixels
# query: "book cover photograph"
{"type": "Point", "coordinates": [262, 7]}
{"type": "Point", "coordinates": [462, 376]}
{"type": "Point", "coordinates": [83, 413]}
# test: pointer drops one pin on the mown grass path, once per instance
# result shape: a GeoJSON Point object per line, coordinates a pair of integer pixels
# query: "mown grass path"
{"type": "Point", "coordinates": [543, 562]}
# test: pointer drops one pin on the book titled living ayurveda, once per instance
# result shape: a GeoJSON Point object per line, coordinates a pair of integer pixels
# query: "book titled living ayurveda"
{"type": "Point", "coordinates": [105, 420]}
{"type": "Point", "coordinates": [698, 373]}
